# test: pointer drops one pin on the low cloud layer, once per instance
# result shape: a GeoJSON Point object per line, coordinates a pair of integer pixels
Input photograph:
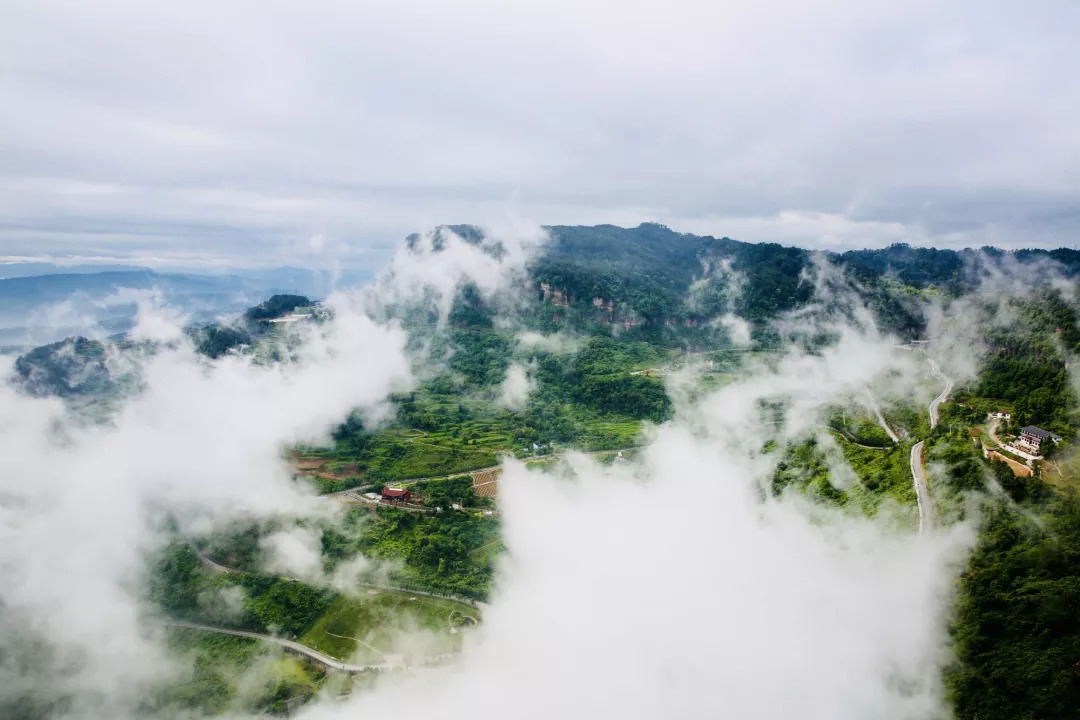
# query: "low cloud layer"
{"type": "Point", "coordinates": [203, 441]}
{"type": "Point", "coordinates": [262, 133]}
{"type": "Point", "coordinates": [669, 585]}
{"type": "Point", "coordinates": [516, 388]}
{"type": "Point", "coordinates": [81, 505]}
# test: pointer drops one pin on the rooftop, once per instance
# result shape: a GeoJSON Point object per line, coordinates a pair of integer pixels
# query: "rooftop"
{"type": "Point", "coordinates": [1037, 432]}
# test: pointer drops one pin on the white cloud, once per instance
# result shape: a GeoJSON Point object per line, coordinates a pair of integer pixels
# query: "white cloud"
{"type": "Point", "coordinates": [557, 343]}
{"type": "Point", "coordinates": [153, 320]}
{"type": "Point", "coordinates": [667, 587]}
{"type": "Point", "coordinates": [80, 504]}
{"type": "Point", "coordinates": [661, 586]}
{"type": "Point", "coordinates": [294, 553]}
{"type": "Point", "coordinates": [432, 267]}
{"type": "Point", "coordinates": [201, 439]}
{"type": "Point", "coordinates": [516, 388]}
{"type": "Point", "coordinates": [737, 328]}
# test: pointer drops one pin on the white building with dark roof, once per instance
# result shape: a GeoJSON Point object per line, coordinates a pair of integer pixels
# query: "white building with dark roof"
{"type": "Point", "coordinates": [1033, 437]}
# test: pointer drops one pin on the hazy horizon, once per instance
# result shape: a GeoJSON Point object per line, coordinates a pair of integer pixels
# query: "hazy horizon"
{"type": "Point", "coordinates": [14, 267]}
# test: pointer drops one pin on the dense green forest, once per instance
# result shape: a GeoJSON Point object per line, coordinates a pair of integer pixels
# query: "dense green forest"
{"type": "Point", "coordinates": [274, 307]}
{"type": "Point", "coordinates": [1016, 629]}
{"type": "Point", "coordinates": [648, 271]}
{"type": "Point", "coordinates": [179, 585]}
{"type": "Point", "coordinates": [1027, 362]}
{"type": "Point", "coordinates": [441, 551]}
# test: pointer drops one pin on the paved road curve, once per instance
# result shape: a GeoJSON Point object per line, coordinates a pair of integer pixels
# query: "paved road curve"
{"type": "Point", "coordinates": [310, 653]}
{"type": "Point", "coordinates": [918, 472]}
{"type": "Point", "coordinates": [944, 393]}
{"type": "Point", "coordinates": [922, 492]}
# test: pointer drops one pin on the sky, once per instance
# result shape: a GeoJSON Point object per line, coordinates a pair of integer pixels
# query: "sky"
{"type": "Point", "coordinates": [261, 133]}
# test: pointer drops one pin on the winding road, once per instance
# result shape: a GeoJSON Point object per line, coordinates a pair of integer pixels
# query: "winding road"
{"type": "Point", "coordinates": [310, 653]}
{"type": "Point", "coordinates": [918, 472]}
{"type": "Point", "coordinates": [944, 393]}
{"type": "Point", "coordinates": [922, 490]}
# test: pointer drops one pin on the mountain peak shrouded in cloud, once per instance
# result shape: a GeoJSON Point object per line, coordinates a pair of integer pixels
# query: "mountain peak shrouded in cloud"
{"type": "Point", "coordinates": [838, 125]}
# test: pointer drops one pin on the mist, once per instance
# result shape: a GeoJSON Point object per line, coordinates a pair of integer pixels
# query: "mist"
{"type": "Point", "coordinates": [672, 584]}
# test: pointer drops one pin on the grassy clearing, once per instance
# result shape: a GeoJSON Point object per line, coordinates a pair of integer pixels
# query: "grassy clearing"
{"type": "Point", "coordinates": [1019, 469]}
{"type": "Point", "coordinates": [377, 623]}
{"type": "Point", "coordinates": [1063, 472]}
{"type": "Point", "coordinates": [334, 633]}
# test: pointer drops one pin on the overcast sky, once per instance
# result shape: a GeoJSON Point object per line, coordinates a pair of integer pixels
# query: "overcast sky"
{"type": "Point", "coordinates": [253, 132]}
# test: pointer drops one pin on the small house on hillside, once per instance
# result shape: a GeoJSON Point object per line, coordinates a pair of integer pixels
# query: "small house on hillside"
{"type": "Point", "coordinates": [1034, 437]}
{"type": "Point", "coordinates": [396, 494]}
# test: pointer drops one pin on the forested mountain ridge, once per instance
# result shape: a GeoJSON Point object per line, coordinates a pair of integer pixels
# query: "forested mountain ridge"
{"type": "Point", "coordinates": [653, 276]}
{"type": "Point", "coordinates": [653, 284]}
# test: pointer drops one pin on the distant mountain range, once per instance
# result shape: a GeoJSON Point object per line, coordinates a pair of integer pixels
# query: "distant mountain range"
{"type": "Point", "coordinates": [29, 269]}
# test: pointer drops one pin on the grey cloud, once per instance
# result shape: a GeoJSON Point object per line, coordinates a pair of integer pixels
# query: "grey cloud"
{"type": "Point", "coordinates": [243, 129]}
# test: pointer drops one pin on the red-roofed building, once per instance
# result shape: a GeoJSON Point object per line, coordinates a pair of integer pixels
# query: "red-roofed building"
{"type": "Point", "coordinates": [396, 494]}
